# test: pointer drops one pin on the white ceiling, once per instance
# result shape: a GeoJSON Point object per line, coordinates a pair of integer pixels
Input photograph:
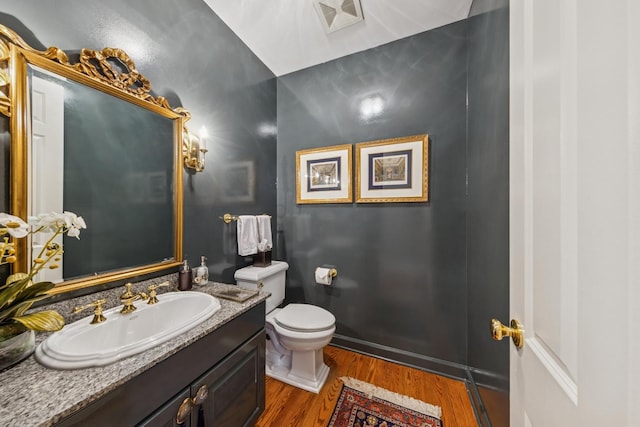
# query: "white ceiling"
{"type": "Point", "coordinates": [287, 35]}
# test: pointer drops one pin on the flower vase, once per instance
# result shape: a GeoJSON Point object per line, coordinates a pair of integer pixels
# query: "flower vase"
{"type": "Point", "coordinates": [16, 348]}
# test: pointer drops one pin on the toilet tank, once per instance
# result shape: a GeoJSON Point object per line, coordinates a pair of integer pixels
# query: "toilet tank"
{"type": "Point", "coordinates": [270, 279]}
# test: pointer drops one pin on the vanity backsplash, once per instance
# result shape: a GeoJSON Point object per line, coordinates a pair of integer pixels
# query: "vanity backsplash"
{"type": "Point", "coordinates": [112, 297]}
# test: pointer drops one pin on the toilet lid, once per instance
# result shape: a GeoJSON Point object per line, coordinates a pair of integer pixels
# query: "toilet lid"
{"type": "Point", "coordinates": [305, 318]}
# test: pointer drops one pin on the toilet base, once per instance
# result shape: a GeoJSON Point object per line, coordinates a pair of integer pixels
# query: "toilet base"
{"type": "Point", "coordinates": [307, 371]}
{"type": "Point", "coordinates": [281, 373]}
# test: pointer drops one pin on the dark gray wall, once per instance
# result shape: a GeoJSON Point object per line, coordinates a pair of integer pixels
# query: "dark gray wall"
{"type": "Point", "coordinates": [193, 59]}
{"type": "Point", "coordinates": [488, 203]}
{"type": "Point", "coordinates": [418, 278]}
{"type": "Point", "coordinates": [405, 283]}
{"type": "Point", "coordinates": [401, 266]}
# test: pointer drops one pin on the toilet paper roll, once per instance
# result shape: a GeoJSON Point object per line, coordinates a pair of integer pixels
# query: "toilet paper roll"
{"type": "Point", "coordinates": [323, 276]}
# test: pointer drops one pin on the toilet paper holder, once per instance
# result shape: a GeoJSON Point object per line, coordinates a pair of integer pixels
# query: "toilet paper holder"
{"type": "Point", "coordinates": [332, 270]}
{"type": "Point", "coordinates": [325, 274]}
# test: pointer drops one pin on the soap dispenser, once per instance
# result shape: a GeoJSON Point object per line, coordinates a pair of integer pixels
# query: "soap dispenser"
{"type": "Point", "coordinates": [201, 274]}
{"type": "Point", "coordinates": [184, 277]}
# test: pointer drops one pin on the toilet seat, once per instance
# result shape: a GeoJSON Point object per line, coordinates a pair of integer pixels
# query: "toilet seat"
{"type": "Point", "coordinates": [304, 318]}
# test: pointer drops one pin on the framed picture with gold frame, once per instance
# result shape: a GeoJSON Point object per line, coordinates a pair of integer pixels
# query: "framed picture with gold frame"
{"type": "Point", "coordinates": [323, 175]}
{"type": "Point", "coordinates": [393, 170]}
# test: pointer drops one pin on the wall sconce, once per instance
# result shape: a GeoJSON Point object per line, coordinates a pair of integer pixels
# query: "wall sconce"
{"type": "Point", "coordinates": [194, 147]}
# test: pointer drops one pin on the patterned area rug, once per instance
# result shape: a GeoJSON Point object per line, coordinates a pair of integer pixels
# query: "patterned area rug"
{"type": "Point", "coordinates": [364, 405]}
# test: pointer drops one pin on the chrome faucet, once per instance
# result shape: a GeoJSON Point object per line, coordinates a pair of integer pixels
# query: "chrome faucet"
{"type": "Point", "coordinates": [127, 298]}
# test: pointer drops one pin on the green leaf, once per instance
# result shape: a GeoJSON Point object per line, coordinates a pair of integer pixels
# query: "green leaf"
{"type": "Point", "coordinates": [9, 294]}
{"type": "Point", "coordinates": [22, 291]}
{"type": "Point", "coordinates": [34, 290]}
{"type": "Point", "coordinates": [18, 309]}
{"type": "Point", "coordinates": [13, 278]}
{"type": "Point", "coordinates": [43, 321]}
{"type": "Point", "coordinates": [15, 310]}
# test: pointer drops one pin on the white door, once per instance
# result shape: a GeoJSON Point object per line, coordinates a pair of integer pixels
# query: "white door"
{"type": "Point", "coordinates": [47, 162]}
{"type": "Point", "coordinates": [575, 212]}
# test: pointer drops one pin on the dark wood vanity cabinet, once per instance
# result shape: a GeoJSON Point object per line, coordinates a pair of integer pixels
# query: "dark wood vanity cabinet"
{"type": "Point", "coordinates": [221, 376]}
{"type": "Point", "coordinates": [232, 391]}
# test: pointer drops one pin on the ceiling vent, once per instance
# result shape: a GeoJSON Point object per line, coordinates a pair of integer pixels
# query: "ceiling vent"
{"type": "Point", "coordinates": [337, 14]}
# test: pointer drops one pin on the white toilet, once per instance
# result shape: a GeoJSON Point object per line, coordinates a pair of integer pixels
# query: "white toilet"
{"type": "Point", "coordinates": [296, 334]}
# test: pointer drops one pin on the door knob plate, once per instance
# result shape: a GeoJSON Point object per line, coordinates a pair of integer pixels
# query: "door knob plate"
{"type": "Point", "coordinates": [514, 330]}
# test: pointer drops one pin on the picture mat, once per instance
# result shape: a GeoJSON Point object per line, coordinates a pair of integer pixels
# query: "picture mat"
{"type": "Point", "coordinates": [341, 195]}
{"type": "Point", "coordinates": [417, 166]}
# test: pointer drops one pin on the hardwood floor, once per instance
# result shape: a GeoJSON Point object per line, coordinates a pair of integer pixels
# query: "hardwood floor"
{"type": "Point", "coordinates": [291, 406]}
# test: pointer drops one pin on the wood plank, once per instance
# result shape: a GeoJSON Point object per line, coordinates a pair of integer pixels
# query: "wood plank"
{"type": "Point", "coordinates": [290, 406]}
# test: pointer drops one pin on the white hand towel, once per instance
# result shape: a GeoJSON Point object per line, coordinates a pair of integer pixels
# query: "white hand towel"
{"type": "Point", "coordinates": [247, 235]}
{"type": "Point", "coordinates": [265, 241]}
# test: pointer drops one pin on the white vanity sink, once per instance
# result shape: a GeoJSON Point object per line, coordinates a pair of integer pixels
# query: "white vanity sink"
{"type": "Point", "coordinates": [82, 345]}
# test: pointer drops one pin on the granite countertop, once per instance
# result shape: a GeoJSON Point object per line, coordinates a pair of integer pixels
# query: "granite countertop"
{"type": "Point", "coordinates": [33, 395]}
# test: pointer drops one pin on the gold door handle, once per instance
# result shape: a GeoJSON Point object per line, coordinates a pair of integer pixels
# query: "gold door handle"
{"type": "Point", "coordinates": [516, 332]}
{"type": "Point", "coordinates": [201, 395]}
{"type": "Point", "coordinates": [189, 403]}
{"type": "Point", "coordinates": [184, 411]}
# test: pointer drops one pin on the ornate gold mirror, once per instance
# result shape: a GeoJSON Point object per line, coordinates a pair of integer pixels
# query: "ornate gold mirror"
{"type": "Point", "coordinates": [88, 137]}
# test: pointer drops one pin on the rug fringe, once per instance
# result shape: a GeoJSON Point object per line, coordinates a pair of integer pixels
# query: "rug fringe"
{"type": "Point", "coordinates": [399, 399]}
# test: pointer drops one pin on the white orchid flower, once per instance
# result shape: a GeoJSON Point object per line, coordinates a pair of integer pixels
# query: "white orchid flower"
{"type": "Point", "coordinates": [14, 225]}
{"type": "Point", "coordinates": [47, 221]}
{"type": "Point", "coordinates": [69, 221]}
{"type": "Point", "coordinates": [74, 223]}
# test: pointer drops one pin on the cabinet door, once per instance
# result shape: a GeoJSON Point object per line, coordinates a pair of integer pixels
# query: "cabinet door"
{"type": "Point", "coordinates": [235, 388]}
{"type": "Point", "coordinates": [166, 415]}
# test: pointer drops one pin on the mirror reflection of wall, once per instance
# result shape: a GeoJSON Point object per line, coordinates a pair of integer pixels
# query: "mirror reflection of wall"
{"type": "Point", "coordinates": [115, 170]}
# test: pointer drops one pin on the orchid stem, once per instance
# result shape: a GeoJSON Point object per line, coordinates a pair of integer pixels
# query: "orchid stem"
{"type": "Point", "coordinates": [36, 267]}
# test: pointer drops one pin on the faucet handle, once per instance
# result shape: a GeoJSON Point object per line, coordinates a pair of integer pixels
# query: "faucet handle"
{"type": "Point", "coordinates": [127, 292]}
{"type": "Point", "coordinates": [98, 317]}
{"type": "Point", "coordinates": [127, 302]}
{"type": "Point", "coordinates": [161, 285]}
{"type": "Point", "coordinates": [153, 294]}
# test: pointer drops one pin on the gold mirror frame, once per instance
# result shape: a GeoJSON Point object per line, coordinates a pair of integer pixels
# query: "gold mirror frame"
{"type": "Point", "coordinates": [93, 69]}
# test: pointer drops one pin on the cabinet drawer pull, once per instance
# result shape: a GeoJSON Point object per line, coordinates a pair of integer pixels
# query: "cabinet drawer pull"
{"type": "Point", "coordinates": [184, 410]}
{"type": "Point", "coordinates": [189, 403]}
{"type": "Point", "coordinates": [201, 395]}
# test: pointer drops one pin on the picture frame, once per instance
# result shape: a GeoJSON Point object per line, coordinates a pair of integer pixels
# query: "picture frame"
{"type": "Point", "coordinates": [323, 175]}
{"type": "Point", "coordinates": [393, 170]}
